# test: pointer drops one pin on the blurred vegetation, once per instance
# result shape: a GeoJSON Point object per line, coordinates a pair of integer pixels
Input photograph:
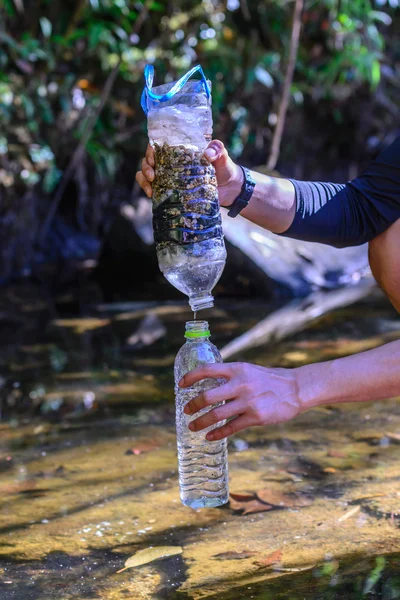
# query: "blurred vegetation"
{"type": "Point", "coordinates": [61, 61]}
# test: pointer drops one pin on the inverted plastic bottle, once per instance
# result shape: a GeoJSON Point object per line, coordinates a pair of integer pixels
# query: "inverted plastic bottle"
{"type": "Point", "coordinates": [203, 465]}
{"type": "Point", "coordinates": [186, 215]}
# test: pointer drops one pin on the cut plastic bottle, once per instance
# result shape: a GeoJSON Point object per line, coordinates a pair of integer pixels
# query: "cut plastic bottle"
{"type": "Point", "coordinates": [186, 215]}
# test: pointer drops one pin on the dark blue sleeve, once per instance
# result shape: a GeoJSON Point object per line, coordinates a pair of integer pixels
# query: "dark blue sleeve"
{"type": "Point", "coordinates": [353, 213]}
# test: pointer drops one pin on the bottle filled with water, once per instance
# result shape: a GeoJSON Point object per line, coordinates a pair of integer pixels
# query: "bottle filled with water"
{"type": "Point", "coordinates": [203, 465]}
{"type": "Point", "coordinates": [186, 215]}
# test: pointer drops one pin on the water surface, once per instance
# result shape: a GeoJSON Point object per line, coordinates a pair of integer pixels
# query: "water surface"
{"type": "Point", "coordinates": [89, 473]}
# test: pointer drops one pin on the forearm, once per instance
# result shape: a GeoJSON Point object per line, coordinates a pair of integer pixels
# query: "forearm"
{"type": "Point", "coordinates": [336, 214]}
{"type": "Point", "coordinates": [273, 204]}
{"type": "Point", "coordinates": [309, 211]}
{"type": "Point", "coordinates": [328, 213]}
{"type": "Point", "coordinates": [364, 377]}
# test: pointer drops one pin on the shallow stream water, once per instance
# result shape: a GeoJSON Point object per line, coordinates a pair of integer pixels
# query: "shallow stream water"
{"type": "Point", "coordinates": [89, 471]}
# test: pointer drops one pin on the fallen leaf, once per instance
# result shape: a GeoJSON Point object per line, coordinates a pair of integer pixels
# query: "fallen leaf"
{"type": "Point", "coordinates": [248, 504]}
{"type": "Point", "coordinates": [142, 557]}
{"type": "Point", "coordinates": [18, 488]}
{"type": "Point", "coordinates": [142, 447]}
{"type": "Point", "coordinates": [329, 470]}
{"type": "Point", "coordinates": [242, 497]}
{"type": "Point", "coordinates": [305, 467]}
{"type": "Point", "coordinates": [255, 506]}
{"type": "Point", "coordinates": [270, 559]}
{"type": "Point", "coordinates": [235, 504]}
{"type": "Point", "coordinates": [276, 498]}
{"type": "Point", "coordinates": [232, 555]}
{"type": "Point", "coordinates": [337, 454]}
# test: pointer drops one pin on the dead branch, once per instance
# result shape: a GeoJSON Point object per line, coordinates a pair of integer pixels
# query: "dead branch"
{"type": "Point", "coordinates": [297, 315]}
{"type": "Point", "coordinates": [291, 64]}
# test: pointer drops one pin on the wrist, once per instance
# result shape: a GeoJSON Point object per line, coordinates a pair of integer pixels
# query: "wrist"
{"type": "Point", "coordinates": [314, 385]}
{"type": "Point", "coordinates": [231, 190]}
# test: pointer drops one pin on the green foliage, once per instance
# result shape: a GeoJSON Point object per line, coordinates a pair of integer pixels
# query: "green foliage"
{"type": "Point", "coordinates": [54, 62]}
{"type": "Point", "coordinates": [55, 58]}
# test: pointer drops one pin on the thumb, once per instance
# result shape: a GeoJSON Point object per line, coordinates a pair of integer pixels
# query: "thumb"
{"type": "Point", "coordinates": [229, 175]}
{"type": "Point", "coordinates": [216, 153]}
{"type": "Point", "coordinates": [225, 169]}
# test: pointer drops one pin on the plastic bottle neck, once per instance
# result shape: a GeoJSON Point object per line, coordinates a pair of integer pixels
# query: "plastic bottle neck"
{"type": "Point", "coordinates": [197, 331]}
{"type": "Point", "coordinates": [201, 301]}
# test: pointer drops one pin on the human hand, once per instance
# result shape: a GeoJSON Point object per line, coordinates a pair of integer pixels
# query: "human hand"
{"type": "Point", "coordinates": [254, 395]}
{"type": "Point", "coordinates": [229, 175]}
{"type": "Point", "coordinates": [146, 176]}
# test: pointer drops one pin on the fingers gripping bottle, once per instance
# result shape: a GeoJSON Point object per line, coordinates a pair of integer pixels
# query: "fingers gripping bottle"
{"type": "Point", "coordinates": [186, 216]}
{"type": "Point", "coordinates": [203, 465]}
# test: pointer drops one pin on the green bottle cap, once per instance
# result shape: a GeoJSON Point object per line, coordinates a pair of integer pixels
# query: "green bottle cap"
{"type": "Point", "coordinates": [197, 329]}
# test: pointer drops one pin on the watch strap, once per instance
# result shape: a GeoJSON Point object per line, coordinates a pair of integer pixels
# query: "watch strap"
{"type": "Point", "coordinates": [245, 194]}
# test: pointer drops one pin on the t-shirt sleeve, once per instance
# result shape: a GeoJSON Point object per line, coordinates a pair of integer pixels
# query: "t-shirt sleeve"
{"type": "Point", "coordinates": [353, 213]}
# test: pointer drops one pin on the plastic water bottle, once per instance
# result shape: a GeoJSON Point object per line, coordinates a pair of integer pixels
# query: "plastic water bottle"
{"type": "Point", "coordinates": [203, 465]}
{"type": "Point", "coordinates": [186, 215]}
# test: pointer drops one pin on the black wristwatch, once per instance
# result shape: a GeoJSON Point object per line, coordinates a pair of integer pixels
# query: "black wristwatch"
{"type": "Point", "coordinates": [245, 194]}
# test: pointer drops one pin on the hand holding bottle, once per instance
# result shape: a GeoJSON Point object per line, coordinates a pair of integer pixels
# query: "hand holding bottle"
{"type": "Point", "coordinates": [261, 396]}
{"type": "Point", "coordinates": [254, 395]}
{"type": "Point", "coordinates": [229, 175]}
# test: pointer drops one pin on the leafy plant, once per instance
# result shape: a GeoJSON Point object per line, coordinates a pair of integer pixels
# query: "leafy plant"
{"type": "Point", "coordinates": [73, 71]}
